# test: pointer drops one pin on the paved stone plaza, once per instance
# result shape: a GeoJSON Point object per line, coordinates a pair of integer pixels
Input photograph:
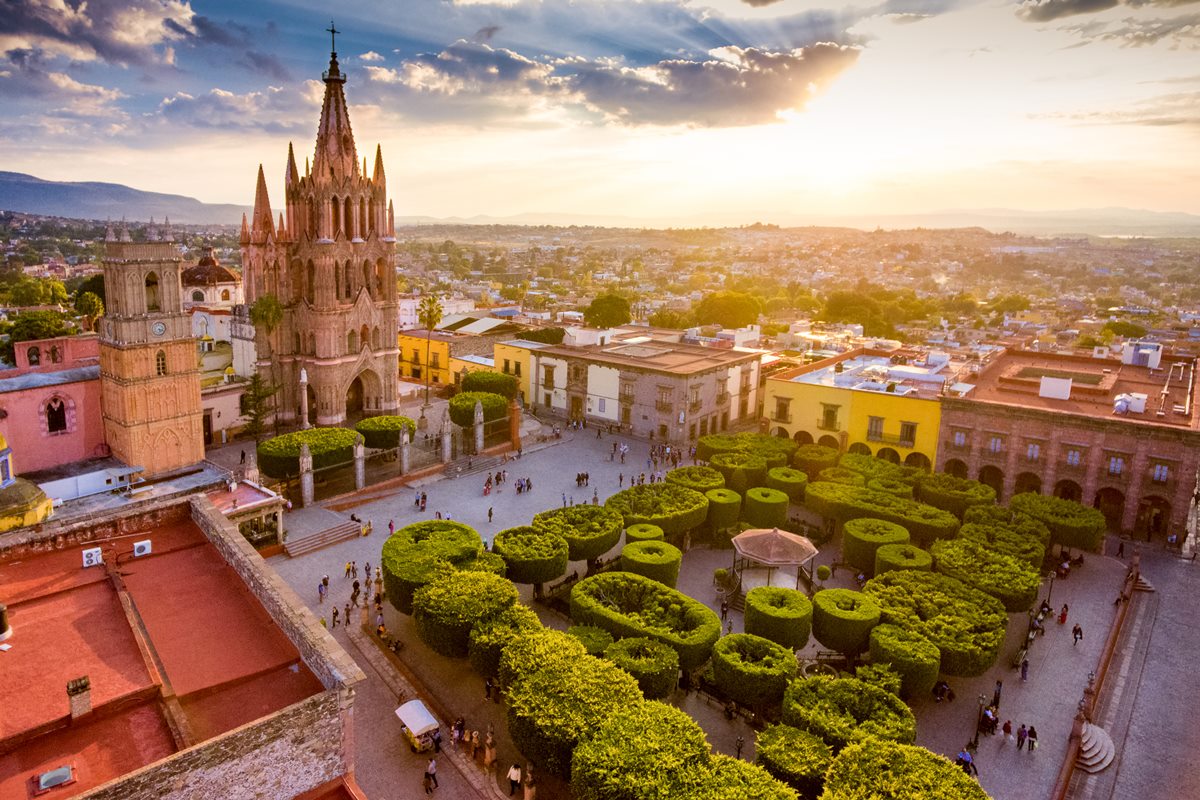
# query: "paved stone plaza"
{"type": "Point", "coordinates": [1160, 733]}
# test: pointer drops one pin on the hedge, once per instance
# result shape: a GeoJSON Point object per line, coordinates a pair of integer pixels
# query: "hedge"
{"type": "Point", "coordinates": [384, 432]}
{"type": "Point", "coordinates": [847, 477]}
{"type": "Point", "coordinates": [910, 654]}
{"type": "Point", "coordinates": [629, 605]}
{"type": "Point", "coordinates": [462, 407]}
{"type": "Point", "coordinates": [490, 637]}
{"type": "Point", "coordinates": [901, 556]}
{"type": "Point", "coordinates": [531, 650]}
{"type": "Point", "coordinates": [654, 665]}
{"type": "Point", "coordinates": [590, 531]}
{"type": "Point", "coordinates": [485, 562]}
{"type": "Point", "coordinates": [595, 640]}
{"type": "Point", "coordinates": [846, 710]}
{"type": "Point", "coordinates": [708, 446]}
{"type": "Point", "coordinates": [698, 479]}
{"type": "Point", "coordinates": [891, 486]}
{"type": "Point", "coordinates": [796, 757]}
{"type": "Point", "coordinates": [1071, 524]}
{"type": "Point", "coordinates": [1010, 580]}
{"type": "Point", "coordinates": [658, 561]}
{"type": "Point", "coordinates": [729, 778]}
{"type": "Point", "coordinates": [446, 609]}
{"type": "Point", "coordinates": [765, 508]}
{"type": "Point", "coordinates": [751, 670]}
{"type": "Point", "coordinates": [776, 450]}
{"type": "Point", "coordinates": [1020, 523]}
{"type": "Point", "coordinates": [724, 508]}
{"type": "Point", "coordinates": [881, 675]}
{"type": "Point", "coordinates": [533, 555]}
{"type": "Point", "coordinates": [840, 503]}
{"type": "Point", "coordinates": [812, 458]}
{"type": "Point", "coordinates": [672, 508]}
{"type": "Point", "coordinates": [415, 554]}
{"type": "Point", "coordinates": [1007, 540]}
{"type": "Point", "coordinates": [875, 768]}
{"type": "Point", "coordinates": [863, 536]}
{"type": "Point", "coordinates": [551, 710]}
{"type": "Point", "coordinates": [483, 380]}
{"type": "Point", "coordinates": [279, 456]}
{"type": "Point", "coordinates": [647, 751]}
{"type": "Point", "coordinates": [781, 615]}
{"type": "Point", "coordinates": [789, 481]}
{"type": "Point", "coordinates": [871, 467]}
{"type": "Point", "coordinates": [742, 470]}
{"type": "Point", "coordinates": [843, 618]}
{"type": "Point", "coordinates": [967, 625]}
{"type": "Point", "coordinates": [643, 532]}
{"type": "Point", "coordinates": [956, 495]}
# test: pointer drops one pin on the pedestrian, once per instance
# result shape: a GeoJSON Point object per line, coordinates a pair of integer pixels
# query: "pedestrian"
{"type": "Point", "coordinates": [431, 771]}
{"type": "Point", "coordinates": [347, 569]}
{"type": "Point", "coordinates": [335, 616]}
{"type": "Point", "coordinates": [320, 593]}
{"type": "Point", "coordinates": [487, 689]}
{"type": "Point", "coordinates": [1007, 730]}
{"type": "Point", "coordinates": [474, 744]}
{"type": "Point", "coordinates": [1033, 738]}
{"type": "Point", "coordinates": [1121, 548]}
{"type": "Point", "coordinates": [738, 745]}
{"type": "Point", "coordinates": [1062, 615]}
{"type": "Point", "coordinates": [724, 609]}
{"type": "Point", "coordinates": [996, 695]}
{"type": "Point", "coordinates": [392, 525]}
{"type": "Point", "coordinates": [354, 569]}
{"type": "Point", "coordinates": [514, 779]}
{"type": "Point", "coordinates": [243, 457]}
{"type": "Point", "coordinates": [427, 782]}
{"type": "Point", "coordinates": [346, 619]}
{"type": "Point", "coordinates": [437, 736]}
{"type": "Point", "coordinates": [1025, 669]}
{"type": "Point", "coordinates": [1022, 735]}
{"type": "Point", "coordinates": [489, 514]}
{"type": "Point", "coordinates": [1077, 633]}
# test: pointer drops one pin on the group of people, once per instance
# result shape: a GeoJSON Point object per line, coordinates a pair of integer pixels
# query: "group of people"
{"type": "Point", "coordinates": [582, 478]}
{"type": "Point", "coordinates": [500, 477]}
{"type": "Point", "coordinates": [357, 589]}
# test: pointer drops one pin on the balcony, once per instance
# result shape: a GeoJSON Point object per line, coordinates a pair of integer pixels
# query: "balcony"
{"type": "Point", "coordinates": [694, 405]}
{"type": "Point", "coordinates": [784, 419]}
{"type": "Point", "coordinates": [722, 399]}
{"type": "Point", "coordinates": [958, 447]}
{"type": "Point", "coordinates": [889, 438]}
{"type": "Point", "coordinates": [827, 425]}
{"type": "Point", "coordinates": [665, 406]}
{"type": "Point", "coordinates": [625, 398]}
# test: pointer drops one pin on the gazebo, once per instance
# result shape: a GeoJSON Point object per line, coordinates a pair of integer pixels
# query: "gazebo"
{"type": "Point", "coordinates": [773, 549]}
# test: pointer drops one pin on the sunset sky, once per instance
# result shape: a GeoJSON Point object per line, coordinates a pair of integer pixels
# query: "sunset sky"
{"type": "Point", "coordinates": [718, 112]}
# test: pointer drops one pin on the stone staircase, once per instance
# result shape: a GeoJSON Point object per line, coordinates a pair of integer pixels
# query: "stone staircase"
{"type": "Point", "coordinates": [470, 465]}
{"type": "Point", "coordinates": [1096, 750]}
{"type": "Point", "coordinates": [1143, 585]}
{"type": "Point", "coordinates": [307, 544]}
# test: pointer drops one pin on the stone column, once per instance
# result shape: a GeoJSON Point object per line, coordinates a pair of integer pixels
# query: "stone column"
{"type": "Point", "coordinates": [514, 423]}
{"type": "Point", "coordinates": [405, 456]}
{"type": "Point", "coordinates": [360, 463]}
{"type": "Point", "coordinates": [303, 399]}
{"type": "Point", "coordinates": [478, 427]}
{"type": "Point", "coordinates": [445, 440]}
{"type": "Point", "coordinates": [306, 476]}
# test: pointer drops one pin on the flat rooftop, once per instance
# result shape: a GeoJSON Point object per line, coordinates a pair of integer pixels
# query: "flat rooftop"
{"type": "Point", "coordinates": [176, 647]}
{"type": "Point", "coordinates": [677, 359]}
{"type": "Point", "coordinates": [870, 372]}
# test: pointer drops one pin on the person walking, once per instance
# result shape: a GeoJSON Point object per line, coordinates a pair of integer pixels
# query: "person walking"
{"type": "Point", "coordinates": [1033, 739]}
{"type": "Point", "coordinates": [487, 689]}
{"type": "Point", "coordinates": [1022, 735]}
{"type": "Point", "coordinates": [1121, 549]}
{"type": "Point", "coordinates": [1025, 669]}
{"type": "Point", "coordinates": [347, 569]}
{"type": "Point", "coordinates": [489, 514]}
{"type": "Point", "coordinates": [431, 771]}
{"type": "Point", "coordinates": [320, 593]}
{"type": "Point", "coordinates": [1006, 729]}
{"type": "Point", "coordinates": [1076, 634]}
{"type": "Point", "coordinates": [1062, 615]}
{"type": "Point", "coordinates": [346, 619]}
{"type": "Point", "coordinates": [335, 616]}
{"type": "Point", "coordinates": [427, 782]}
{"type": "Point", "coordinates": [996, 695]}
{"type": "Point", "coordinates": [724, 609]}
{"type": "Point", "coordinates": [437, 736]}
{"type": "Point", "coordinates": [514, 779]}
{"type": "Point", "coordinates": [738, 745]}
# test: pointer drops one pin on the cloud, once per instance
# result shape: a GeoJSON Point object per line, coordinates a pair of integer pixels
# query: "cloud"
{"type": "Point", "coordinates": [276, 110]}
{"type": "Point", "coordinates": [1165, 110]}
{"type": "Point", "coordinates": [265, 64]}
{"type": "Point", "coordinates": [468, 67]}
{"type": "Point", "coordinates": [486, 33]}
{"type": "Point", "coordinates": [1180, 31]}
{"type": "Point", "coordinates": [370, 55]}
{"type": "Point", "coordinates": [121, 32]}
{"type": "Point", "coordinates": [761, 3]}
{"type": "Point", "coordinates": [28, 73]}
{"type": "Point", "coordinates": [1049, 10]}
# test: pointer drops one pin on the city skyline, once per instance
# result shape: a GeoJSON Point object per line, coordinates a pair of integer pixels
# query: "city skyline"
{"type": "Point", "coordinates": [726, 112]}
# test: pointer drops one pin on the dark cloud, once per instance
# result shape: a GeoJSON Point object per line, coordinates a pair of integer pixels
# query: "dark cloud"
{"type": "Point", "coordinates": [761, 3]}
{"type": "Point", "coordinates": [1180, 31]}
{"type": "Point", "coordinates": [115, 31]}
{"type": "Point", "coordinates": [204, 31]}
{"type": "Point", "coordinates": [265, 64]}
{"type": "Point", "coordinates": [486, 33]}
{"type": "Point", "coordinates": [1049, 10]}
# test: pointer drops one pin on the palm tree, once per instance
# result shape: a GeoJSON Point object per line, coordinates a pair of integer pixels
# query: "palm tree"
{"type": "Point", "coordinates": [429, 312]}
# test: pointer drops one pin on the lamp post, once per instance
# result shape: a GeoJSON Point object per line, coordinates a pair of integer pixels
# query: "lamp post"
{"type": "Point", "coordinates": [978, 722]}
{"type": "Point", "coordinates": [1050, 591]}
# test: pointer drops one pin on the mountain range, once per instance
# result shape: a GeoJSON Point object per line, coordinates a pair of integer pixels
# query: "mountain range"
{"type": "Point", "coordinates": [100, 201]}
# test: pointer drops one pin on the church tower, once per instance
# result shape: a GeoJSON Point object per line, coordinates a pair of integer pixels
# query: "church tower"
{"type": "Point", "coordinates": [149, 377]}
{"type": "Point", "coordinates": [329, 262]}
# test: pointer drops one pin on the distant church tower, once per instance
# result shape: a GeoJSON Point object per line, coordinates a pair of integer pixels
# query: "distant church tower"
{"type": "Point", "coordinates": [149, 377]}
{"type": "Point", "coordinates": [330, 262]}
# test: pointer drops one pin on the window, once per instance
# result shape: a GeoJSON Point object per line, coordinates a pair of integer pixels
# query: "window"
{"type": "Point", "coordinates": [908, 433]}
{"type": "Point", "coordinates": [546, 399]}
{"type": "Point", "coordinates": [783, 409]}
{"type": "Point", "coordinates": [225, 294]}
{"type": "Point", "coordinates": [351, 341]}
{"type": "Point", "coordinates": [1073, 457]}
{"type": "Point", "coordinates": [663, 398]}
{"type": "Point", "coordinates": [626, 392]}
{"type": "Point", "coordinates": [547, 377]}
{"type": "Point", "coordinates": [960, 439]}
{"type": "Point", "coordinates": [197, 297]}
{"type": "Point", "coordinates": [996, 444]}
{"type": "Point", "coordinates": [152, 292]}
{"type": "Point", "coordinates": [34, 355]}
{"type": "Point", "coordinates": [56, 416]}
{"type": "Point", "coordinates": [416, 359]}
{"type": "Point", "coordinates": [601, 405]}
{"type": "Point", "coordinates": [160, 363]}
{"type": "Point", "coordinates": [1033, 451]}
{"type": "Point", "coordinates": [829, 417]}
{"type": "Point", "coordinates": [506, 366]}
{"type": "Point", "coordinates": [436, 361]}
{"type": "Point", "coordinates": [1162, 473]}
{"type": "Point", "coordinates": [1116, 465]}
{"type": "Point", "coordinates": [875, 428]}
{"type": "Point", "coordinates": [517, 369]}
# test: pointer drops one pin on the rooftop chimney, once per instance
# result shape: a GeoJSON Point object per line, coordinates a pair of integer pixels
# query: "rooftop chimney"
{"type": "Point", "coordinates": [5, 628]}
{"type": "Point", "coordinates": [79, 693]}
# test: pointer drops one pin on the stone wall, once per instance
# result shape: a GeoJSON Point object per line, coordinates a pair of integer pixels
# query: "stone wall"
{"type": "Point", "coordinates": [116, 524]}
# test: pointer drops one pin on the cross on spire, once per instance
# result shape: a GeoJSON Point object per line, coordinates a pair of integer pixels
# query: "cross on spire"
{"type": "Point", "coordinates": [333, 32]}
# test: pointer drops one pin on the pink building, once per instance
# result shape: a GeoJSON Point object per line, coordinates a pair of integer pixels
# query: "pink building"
{"type": "Point", "coordinates": [50, 402]}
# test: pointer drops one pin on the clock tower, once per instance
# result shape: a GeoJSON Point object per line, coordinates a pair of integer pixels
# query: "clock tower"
{"type": "Point", "coordinates": [149, 376]}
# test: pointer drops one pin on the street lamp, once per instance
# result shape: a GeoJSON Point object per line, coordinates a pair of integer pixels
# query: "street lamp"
{"type": "Point", "coordinates": [1050, 591]}
{"type": "Point", "coordinates": [978, 722]}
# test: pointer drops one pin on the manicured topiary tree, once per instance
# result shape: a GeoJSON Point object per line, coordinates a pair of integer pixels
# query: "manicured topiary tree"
{"type": "Point", "coordinates": [532, 555]}
{"type": "Point", "coordinates": [673, 508]}
{"type": "Point", "coordinates": [590, 531]}
{"type": "Point", "coordinates": [279, 456]}
{"type": "Point", "coordinates": [530, 650]}
{"type": "Point", "coordinates": [658, 561]}
{"type": "Point", "coordinates": [698, 479]}
{"type": "Point", "coordinates": [901, 556]}
{"type": "Point", "coordinates": [462, 407]}
{"type": "Point", "coordinates": [789, 481]}
{"type": "Point", "coordinates": [952, 494]}
{"type": "Point", "coordinates": [384, 432]}
{"type": "Point", "coordinates": [751, 670]}
{"type": "Point", "coordinates": [846, 710]}
{"type": "Point", "coordinates": [643, 532]}
{"type": "Point", "coordinates": [1011, 581]}
{"type": "Point", "coordinates": [843, 619]}
{"type": "Point", "coordinates": [629, 605]}
{"type": "Point", "coordinates": [891, 486]}
{"type": "Point", "coordinates": [812, 458]}
{"type": "Point", "coordinates": [877, 768]}
{"type": "Point", "coordinates": [483, 380]}
{"type": "Point", "coordinates": [1071, 524]}
{"type": "Point", "coordinates": [724, 508]}
{"type": "Point", "coordinates": [881, 675]}
{"type": "Point", "coordinates": [839, 503]}
{"type": "Point", "coordinates": [871, 467]}
{"type": "Point", "coordinates": [863, 536]}
{"type": "Point", "coordinates": [796, 757]}
{"type": "Point", "coordinates": [708, 446]}
{"type": "Point", "coordinates": [783, 616]}
{"type": "Point", "coordinates": [775, 450]}
{"type": "Point", "coordinates": [729, 778]}
{"type": "Point", "coordinates": [594, 639]}
{"type": "Point", "coordinates": [489, 637]}
{"type": "Point", "coordinates": [742, 470]}
{"type": "Point", "coordinates": [415, 554]}
{"type": "Point", "coordinates": [847, 477]}
{"type": "Point", "coordinates": [654, 665]}
{"type": "Point", "coordinates": [1007, 540]}
{"type": "Point", "coordinates": [765, 508]}
{"type": "Point", "coordinates": [486, 562]}
{"type": "Point", "coordinates": [910, 654]}
{"type": "Point", "coordinates": [446, 609]}
{"type": "Point", "coordinates": [966, 625]}
{"type": "Point", "coordinates": [553, 709]}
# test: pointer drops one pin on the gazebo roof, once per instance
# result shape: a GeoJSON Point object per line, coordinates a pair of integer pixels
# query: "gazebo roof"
{"type": "Point", "coordinates": [773, 547]}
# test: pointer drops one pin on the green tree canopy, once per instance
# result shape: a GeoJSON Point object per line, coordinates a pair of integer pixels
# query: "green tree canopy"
{"type": "Point", "coordinates": [1128, 330]}
{"type": "Point", "coordinates": [668, 318]}
{"type": "Point", "coordinates": [728, 309]}
{"type": "Point", "coordinates": [606, 311]}
{"type": "Point", "coordinates": [90, 307]}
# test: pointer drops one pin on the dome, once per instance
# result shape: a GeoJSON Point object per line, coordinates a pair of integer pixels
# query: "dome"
{"type": "Point", "coordinates": [207, 272]}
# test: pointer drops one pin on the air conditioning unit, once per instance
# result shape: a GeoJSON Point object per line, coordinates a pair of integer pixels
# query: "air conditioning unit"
{"type": "Point", "coordinates": [92, 557]}
{"type": "Point", "coordinates": [141, 548]}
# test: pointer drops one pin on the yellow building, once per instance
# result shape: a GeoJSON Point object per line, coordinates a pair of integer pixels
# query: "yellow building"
{"type": "Point", "coordinates": [514, 357]}
{"type": "Point", "coordinates": [415, 359]}
{"type": "Point", "coordinates": [860, 402]}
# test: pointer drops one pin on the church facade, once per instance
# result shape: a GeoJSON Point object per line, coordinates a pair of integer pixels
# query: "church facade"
{"type": "Point", "coordinates": [329, 263]}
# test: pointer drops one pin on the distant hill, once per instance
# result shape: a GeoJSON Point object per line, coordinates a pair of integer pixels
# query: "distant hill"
{"type": "Point", "coordinates": [93, 200]}
{"type": "Point", "coordinates": [1092, 221]}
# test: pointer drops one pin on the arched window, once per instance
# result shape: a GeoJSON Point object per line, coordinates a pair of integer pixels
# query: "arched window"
{"type": "Point", "coordinates": [55, 354]}
{"type": "Point", "coordinates": [160, 363]}
{"type": "Point", "coordinates": [312, 343]}
{"type": "Point", "coordinates": [197, 296]}
{"type": "Point", "coordinates": [336, 208]}
{"type": "Point", "coordinates": [296, 342]}
{"type": "Point", "coordinates": [367, 276]}
{"type": "Point", "coordinates": [310, 285]}
{"type": "Point", "coordinates": [379, 284]}
{"type": "Point", "coordinates": [364, 336]}
{"type": "Point", "coordinates": [225, 294]}
{"type": "Point", "coordinates": [312, 217]}
{"type": "Point", "coordinates": [337, 280]}
{"type": "Point", "coordinates": [349, 293]}
{"type": "Point", "coordinates": [363, 224]}
{"type": "Point", "coordinates": [350, 342]}
{"type": "Point", "coordinates": [152, 292]}
{"type": "Point", "coordinates": [34, 354]}
{"type": "Point", "coordinates": [56, 416]}
{"type": "Point", "coordinates": [371, 215]}
{"type": "Point", "coordinates": [348, 216]}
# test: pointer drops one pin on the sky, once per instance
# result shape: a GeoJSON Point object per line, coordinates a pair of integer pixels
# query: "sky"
{"type": "Point", "coordinates": [667, 111]}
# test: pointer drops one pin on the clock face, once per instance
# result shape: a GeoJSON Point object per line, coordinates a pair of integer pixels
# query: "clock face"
{"type": "Point", "coordinates": [159, 328]}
